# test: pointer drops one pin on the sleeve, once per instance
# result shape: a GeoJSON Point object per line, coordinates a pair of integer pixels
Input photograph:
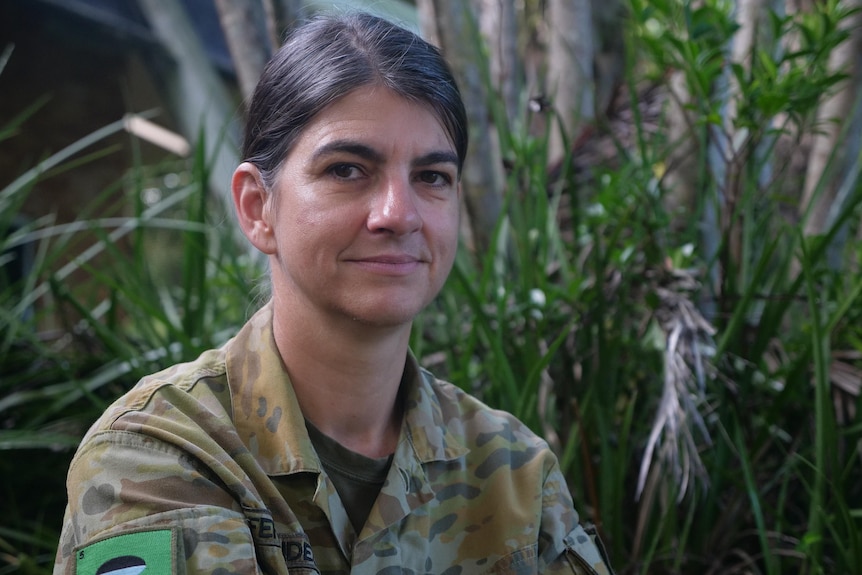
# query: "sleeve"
{"type": "Point", "coordinates": [566, 546]}
{"type": "Point", "coordinates": [135, 501]}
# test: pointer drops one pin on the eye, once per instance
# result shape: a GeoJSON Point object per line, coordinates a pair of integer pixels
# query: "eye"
{"type": "Point", "coordinates": [434, 178]}
{"type": "Point", "coordinates": [344, 171]}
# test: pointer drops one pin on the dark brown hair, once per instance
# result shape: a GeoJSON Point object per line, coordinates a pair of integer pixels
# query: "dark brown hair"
{"type": "Point", "coordinates": [328, 58]}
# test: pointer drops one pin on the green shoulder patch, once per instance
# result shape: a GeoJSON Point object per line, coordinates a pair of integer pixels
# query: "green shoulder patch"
{"type": "Point", "coordinates": [138, 553]}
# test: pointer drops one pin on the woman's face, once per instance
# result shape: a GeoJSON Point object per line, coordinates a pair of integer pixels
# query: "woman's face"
{"type": "Point", "coordinates": [365, 211]}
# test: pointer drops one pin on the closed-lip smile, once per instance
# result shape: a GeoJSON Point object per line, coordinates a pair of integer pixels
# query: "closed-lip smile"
{"type": "Point", "coordinates": [390, 259]}
{"type": "Point", "coordinates": [389, 264]}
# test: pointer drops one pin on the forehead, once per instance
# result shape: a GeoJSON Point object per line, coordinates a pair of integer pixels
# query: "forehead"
{"type": "Point", "coordinates": [375, 113]}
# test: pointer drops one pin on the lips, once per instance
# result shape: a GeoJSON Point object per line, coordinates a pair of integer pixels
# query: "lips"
{"type": "Point", "coordinates": [389, 264]}
{"type": "Point", "coordinates": [391, 259]}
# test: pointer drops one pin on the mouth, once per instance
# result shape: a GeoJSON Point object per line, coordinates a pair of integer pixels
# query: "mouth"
{"type": "Point", "coordinates": [395, 265]}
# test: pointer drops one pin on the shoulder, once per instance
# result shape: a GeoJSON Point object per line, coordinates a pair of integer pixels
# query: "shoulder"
{"type": "Point", "coordinates": [468, 413]}
{"type": "Point", "coordinates": [495, 436]}
{"type": "Point", "coordinates": [197, 386]}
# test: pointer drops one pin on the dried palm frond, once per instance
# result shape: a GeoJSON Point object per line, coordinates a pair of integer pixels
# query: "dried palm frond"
{"type": "Point", "coordinates": [688, 353]}
{"type": "Point", "coordinates": [846, 378]}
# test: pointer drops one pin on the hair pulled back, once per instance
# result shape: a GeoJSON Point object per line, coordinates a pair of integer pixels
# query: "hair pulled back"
{"type": "Point", "coordinates": [328, 58]}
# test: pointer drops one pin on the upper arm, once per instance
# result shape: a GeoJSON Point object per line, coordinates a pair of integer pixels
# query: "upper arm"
{"type": "Point", "coordinates": [128, 492]}
{"type": "Point", "coordinates": [565, 546]}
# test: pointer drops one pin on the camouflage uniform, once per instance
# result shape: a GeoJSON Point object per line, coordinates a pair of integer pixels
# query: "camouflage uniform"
{"type": "Point", "coordinates": [207, 467]}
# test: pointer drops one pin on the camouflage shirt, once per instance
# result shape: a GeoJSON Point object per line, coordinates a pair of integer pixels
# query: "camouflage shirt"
{"type": "Point", "coordinates": [207, 467]}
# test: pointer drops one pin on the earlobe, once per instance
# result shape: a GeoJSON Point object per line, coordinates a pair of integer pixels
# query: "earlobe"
{"type": "Point", "coordinates": [250, 199]}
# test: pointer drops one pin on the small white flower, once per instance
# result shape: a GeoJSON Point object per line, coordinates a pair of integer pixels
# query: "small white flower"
{"type": "Point", "coordinates": [537, 297]}
{"type": "Point", "coordinates": [654, 28]}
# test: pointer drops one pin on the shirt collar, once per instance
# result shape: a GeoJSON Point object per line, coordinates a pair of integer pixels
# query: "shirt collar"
{"type": "Point", "coordinates": [270, 423]}
{"type": "Point", "coordinates": [425, 425]}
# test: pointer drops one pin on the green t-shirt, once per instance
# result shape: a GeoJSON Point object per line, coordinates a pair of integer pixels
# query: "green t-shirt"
{"type": "Point", "coordinates": [357, 478]}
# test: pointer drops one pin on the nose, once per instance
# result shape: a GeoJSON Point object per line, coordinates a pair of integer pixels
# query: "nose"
{"type": "Point", "coordinates": [394, 208]}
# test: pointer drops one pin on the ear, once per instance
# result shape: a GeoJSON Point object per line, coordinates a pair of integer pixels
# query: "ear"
{"type": "Point", "coordinates": [250, 199]}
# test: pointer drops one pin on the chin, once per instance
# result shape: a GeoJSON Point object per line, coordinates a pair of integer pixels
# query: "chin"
{"type": "Point", "coordinates": [386, 314]}
{"type": "Point", "coordinates": [385, 320]}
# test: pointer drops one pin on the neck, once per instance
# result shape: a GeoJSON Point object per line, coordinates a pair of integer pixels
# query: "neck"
{"type": "Point", "coordinates": [346, 376]}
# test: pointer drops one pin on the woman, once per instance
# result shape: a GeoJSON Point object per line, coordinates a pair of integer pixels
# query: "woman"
{"type": "Point", "coordinates": [313, 442]}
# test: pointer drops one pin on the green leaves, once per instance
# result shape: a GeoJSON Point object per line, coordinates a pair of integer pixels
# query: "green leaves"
{"type": "Point", "coordinates": [590, 366]}
{"type": "Point", "coordinates": [132, 293]}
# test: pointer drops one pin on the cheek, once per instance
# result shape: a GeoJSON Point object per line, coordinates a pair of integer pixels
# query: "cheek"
{"type": "Point", "coordinates": [301, 212]}
{"type": "Point", "coordinates": [449, 232]}
{"type": "Point", "coordinates": [313, 232]}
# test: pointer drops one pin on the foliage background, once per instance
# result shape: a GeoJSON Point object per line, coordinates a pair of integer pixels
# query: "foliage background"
{"type": "Point", "coordinates": [696, 366]}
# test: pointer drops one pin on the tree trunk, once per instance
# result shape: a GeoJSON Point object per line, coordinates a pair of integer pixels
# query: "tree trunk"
{"type": "Point", "coordinates": [427, 15]}
{"type": "Point", "coordinates": [482, 179]}
{"type": "Point", "coordinates": [608, 53]}
{"type": "Point", "coordinates": [729, 149]}
{"type": "Point", "coordinates": [244, 25]}
{"type": "Point", "coordinates": [831, 157]}
{"type": "Point", "coordinates": [680, 179]}
{"type": "Point", "coordinates": [569, 83]}
{"type": "Point", "coordinates": [199, 100]}
{"type": "Point", "coordinates": [499, 27]}
{"type": "Point", "coordinates": [749, 14]}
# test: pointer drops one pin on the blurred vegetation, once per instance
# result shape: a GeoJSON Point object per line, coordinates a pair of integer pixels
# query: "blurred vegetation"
{"type": "Point", "coordinates": [705, 408]}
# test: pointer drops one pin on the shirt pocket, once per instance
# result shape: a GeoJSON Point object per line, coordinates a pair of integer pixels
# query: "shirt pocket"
{"type": "Point", "coordinates": [520, 562]}
{"type": "Point", "coordinates": [585, 552]}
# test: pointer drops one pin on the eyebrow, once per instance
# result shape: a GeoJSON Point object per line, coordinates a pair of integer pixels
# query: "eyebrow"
{"type": "Point", "coordinates": [438, 157]}
{"type": "Point", "coordinates": [350, 147]}
{"type": "Point", "coordinates": [367, 152]}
